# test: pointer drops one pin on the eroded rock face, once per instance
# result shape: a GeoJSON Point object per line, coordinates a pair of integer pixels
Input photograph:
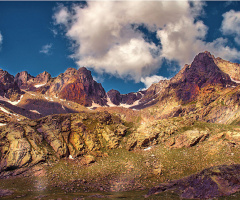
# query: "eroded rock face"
{"type": "Point", "coordinates": [22, 79]}
{"type": "Point", "coordinates": [20, 146]}
{"type": "Point", "coordinates": [26, 81]}
{"type": "Point", "coordinates": [129, 99]}
{"type": "Point", "coordinates": [77, 86]}
{"type": "Point", "coordinates": [202, 72]}
{"type": "Point", "coordinates": [8, 88]}
{"type": "Point", "coordinates": [210, 183]}
{"type": "Point", "coordinates": [27, 143]}
{"type": "Point", "coordinates": [42, 78]}
{"type": "Point", "coordinates": [189, 138]}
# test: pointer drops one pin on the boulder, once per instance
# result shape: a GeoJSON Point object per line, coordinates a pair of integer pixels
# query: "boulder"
{"type": "Point", "coordinates": [189, 138]}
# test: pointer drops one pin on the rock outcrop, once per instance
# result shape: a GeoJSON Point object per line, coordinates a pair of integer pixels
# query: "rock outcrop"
{"type": "Point", "coordinates": [128, 99]}
{"type": "Point", "coordinates": [8, 88]}
{"type": "Point", "coordinates": [26, 81]}
{"type": "Point", "coordinates": [210, 183]}
{"type": "Point", "coordinates": [25, 144]}
{"type": "Point", "coordinates": [22, 79]}
{"type": "Point", "coordinates": [77, 86]}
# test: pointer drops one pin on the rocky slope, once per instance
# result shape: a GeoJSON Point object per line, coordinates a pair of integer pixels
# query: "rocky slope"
{"type": "Point", "coordinates": [201, 90]}
{"type": "Point", "coordinates": [209, 183]}
{"type": "Point", "coordinates": [27, 143]}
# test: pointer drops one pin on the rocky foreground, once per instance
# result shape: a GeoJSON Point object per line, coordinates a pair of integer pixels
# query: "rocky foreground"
{"type": "Point", "coordinates": [209, 183]}
{"type": "Point", "coordinates": [98, 151]}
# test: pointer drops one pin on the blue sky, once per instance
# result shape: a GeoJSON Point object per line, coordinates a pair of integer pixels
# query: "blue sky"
{"type": "Point", "coordinates": [126, 45]}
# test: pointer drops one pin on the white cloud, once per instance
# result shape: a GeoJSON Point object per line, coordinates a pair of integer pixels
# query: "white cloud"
{"type": "Point", "coordinates": [107, 43]}
{"type": "Point", "coordinates": [62, 15]}
{"type": "Point", "coordinates": [46, 49]}
{"type": "Point", "coordinates": [132, 60]}
{"type": "Point", "coordinates": [184, 39]}
{"type": "Point", "coordinates": [231, 24]}
{"type": "Point", "coordinates": [104, 40]}
{"type": "Point", "coordinates": [148, 81]}
{"type": "Point", "coordinates": [1, 39]}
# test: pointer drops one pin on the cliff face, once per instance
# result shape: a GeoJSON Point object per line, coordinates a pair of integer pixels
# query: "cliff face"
{"type": "Point", "coordinates": [26, 81]}
{"type": "Point", "coordinates": [8, 88]}
{"type": "Point", "coordinates": [201, 73]}
{"type": "Point", "coordinates": [129, 99]}
{"type": "Point", "coordinates": [77, 86]}
{"type": "Point", "coordinates": [25, 144]}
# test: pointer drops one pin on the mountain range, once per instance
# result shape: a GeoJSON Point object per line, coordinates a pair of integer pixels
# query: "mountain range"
{"type": "Point", "coordinates": [204, 83]}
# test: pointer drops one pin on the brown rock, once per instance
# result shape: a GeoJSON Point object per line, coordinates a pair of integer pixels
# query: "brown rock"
{"type": "Point", "coordinates": [190, 138]}
{"type": "Point", "coordinates": [88, 159]}
{"type": "Point", "coordinates": [9, 88]}
{"type": "Point", "coordinates": [233, 137]}
{"type": "Point", "coordinates": [209, 183]}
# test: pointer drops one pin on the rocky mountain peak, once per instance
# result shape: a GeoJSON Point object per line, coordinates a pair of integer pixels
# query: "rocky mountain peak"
{"type": "Point", "coordinates": [202, 72]}
{"type": "Point", "coordinates": [43, 77]}
{"type": "Point", "coordinates": [70, 71]}
{"type": "Point", "coordinates": [22, 78]}
{"type": "Point", "coordinates": [85, 74]}
{"type": "Point", "coordinates": [8, 88]}
{"type": "Point", "coordinates": [114, 96]}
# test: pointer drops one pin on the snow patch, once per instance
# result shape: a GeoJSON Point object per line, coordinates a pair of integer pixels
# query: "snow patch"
{"type": "Point", "coordinates": [11, 102]}
{"type": "Point", "coordinates": [130, 105]}
{"type": "Point", "coordinates": [63, 107]}
{"type": "Point", "coordinates": [94, 105]}
{"type": "Point", "coordinates": [4, 110]}
{"type": "Point", "coordinates": [40, 85]}
{"type": "Point", "coordinates": [109, 102]}
{"type": "Point", "coordinates": [3, 124]}
{"type": "Point", "coordinates": [35, 111]}
{"type": "Point", "coordinates": [234, 80]}
{"type": "Point", "coordinates": [147, 149]}
{"type": "Point", "coordinates": [70, 157]}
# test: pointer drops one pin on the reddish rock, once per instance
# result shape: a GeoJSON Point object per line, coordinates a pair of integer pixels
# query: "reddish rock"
{"type": "Point", "coordinates": [78, 86]}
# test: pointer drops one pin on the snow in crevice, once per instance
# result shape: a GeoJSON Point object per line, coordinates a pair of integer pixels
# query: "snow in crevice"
{"type": "Point", "coordinates": [94, 105]}
{"type": "Point", "coordinates": [63, 107]}
{"type": "Point", "coordinates": [11, 102]}
{"type": "Point", "coordinates": [124, 105]}
{"type": "Point", "coordinates": [4, 110]}
{"type": "Point", "coordinates": [35, 111]}
{"type": "Point", "coordinates": [110, 103]}
{"type": "Point", "coordinates": [234, 80]}
{"type": "Point", "coordinates": [40, 85]}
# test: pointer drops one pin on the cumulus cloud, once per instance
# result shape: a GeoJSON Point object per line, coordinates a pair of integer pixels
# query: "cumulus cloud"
{"type": "Point", "coordinates": [132, 59]}
{"type": "Point", "coordinates": [185, 38]}
{"type": "Point", "coordinates": [104, 39]}
{"type": "Point", "coordinates": [149, 80]}
{"type": "Point", "coordinates": [46, 49]}
{"type": "Point", "coordinates": [231, 24]}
